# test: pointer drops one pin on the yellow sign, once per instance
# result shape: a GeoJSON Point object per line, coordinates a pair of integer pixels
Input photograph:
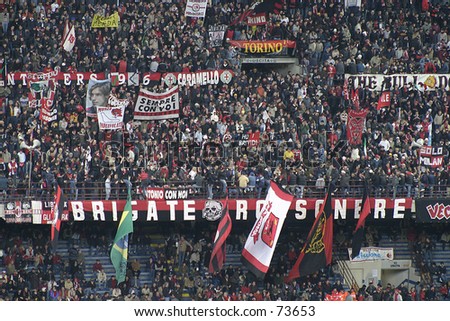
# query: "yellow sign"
{"type": "Point", "coordinates": [105, 22]}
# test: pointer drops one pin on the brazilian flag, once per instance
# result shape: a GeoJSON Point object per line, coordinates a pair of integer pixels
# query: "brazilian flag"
{"type": "Point", "coordinates": [119, 250]}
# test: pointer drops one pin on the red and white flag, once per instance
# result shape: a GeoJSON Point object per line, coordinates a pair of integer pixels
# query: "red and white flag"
{"type": "Point", "coordinates": [261, 242]}
{"type": "Point", "coordinates": [384, 100]}
{"type": "Point", "coordinates": [68, 37]}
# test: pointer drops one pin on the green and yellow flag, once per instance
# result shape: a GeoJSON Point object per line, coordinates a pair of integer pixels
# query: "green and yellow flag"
{"type": "Point", "coordinates": [119, 250]}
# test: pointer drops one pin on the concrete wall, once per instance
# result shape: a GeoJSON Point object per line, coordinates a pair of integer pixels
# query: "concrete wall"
{"type": "Point", "coordinates": [394, 272]}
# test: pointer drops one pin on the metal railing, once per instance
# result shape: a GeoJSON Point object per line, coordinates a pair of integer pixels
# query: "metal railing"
{"type": "Point", "coordinates": [97, 191]}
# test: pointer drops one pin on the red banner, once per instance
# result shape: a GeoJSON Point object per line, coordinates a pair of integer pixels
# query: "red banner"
{"type": "Point", "coordinates": [199, 78]}
{"type": "Point", "coordinates": [202, 77]}
{"type": "Point", "coordinates": [355, 126]}
{"type": "Point", "coordinates": [262, 47]}
{"type": "Point", "coordinates": [384, 100]}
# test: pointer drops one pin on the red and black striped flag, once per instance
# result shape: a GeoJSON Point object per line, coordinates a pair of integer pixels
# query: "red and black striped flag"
{"type": "Point", "coordinates": [318, 249]}
{"type": "Point", "coordinates": [57, 211]}
{"type": "Point", "coordinates": [219, 247]}
{"type": "Point", "coordinates": [358, 234]}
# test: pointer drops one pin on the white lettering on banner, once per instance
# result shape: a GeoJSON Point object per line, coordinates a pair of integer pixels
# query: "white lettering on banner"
{"type": "Point", "coordinates": [300, 213]}
{"type": "Point", "coordinates": [340, 209]}
{"type": "Point", "coordinates": [134, 213]}
{"type": "Point", "coordinates": [188, 209]}
{"type": "Point", "coordinates": [358, 208]}
{"type": "Point", "coordinates": [114, 210]}
{"type": "Point", "coordinates": [98, 212]}
{"type": "Point", "coordinates": [434, 162]}
{"type": "Point", "coordinates": [379, 209]}
{"type": "Point", "coordinates": [200, 78]}
{"type": "Point", "coordinates": [257, 20]}
{"type": "Point", "coordinates": [172, 205]}
{"type": "Point", "coordinates": [77, 211]}
{"type": "Point", "coordinates": [241, 210]}
{"type": "Point", "coordinates": [152, 212]}
{"type": "Point", "coordinates": [317, 207]}
{"type": "Point", "coordinates": [399, 208]}
{"type": "Point", "coordinates": [67, 80]}
{"type": "Point", "coordinates": [155, 194]}
{"type": "Point", "coordinates": [79, 79]}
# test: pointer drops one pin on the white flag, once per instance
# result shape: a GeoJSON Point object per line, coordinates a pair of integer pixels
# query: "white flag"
{"type": "Point", "coordinates": [69, 39]}
{"type": "Point", "coordinates": [263, 237]}
{"type": "Point", "coordinates": [196, 8]}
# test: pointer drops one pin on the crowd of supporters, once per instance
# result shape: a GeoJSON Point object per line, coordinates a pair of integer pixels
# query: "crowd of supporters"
{"type": "Point", "coordinates": [32, 270]}
{"type": "Point", "coordinates": [301, 116]}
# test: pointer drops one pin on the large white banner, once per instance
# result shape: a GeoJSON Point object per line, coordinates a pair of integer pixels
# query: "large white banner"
{"type": "Point", "coordinates": [196, 8]}
{"type": "Point", "coordinates": [111, 117]}
{"type": "Point", "coordinates": [373, 254]}
{"type": "Point", "coordinates": [156, 106]}
{"type": "Point", "coordinates": [422, 82]}
{"type": "Point", "coordinates": [263, 237]}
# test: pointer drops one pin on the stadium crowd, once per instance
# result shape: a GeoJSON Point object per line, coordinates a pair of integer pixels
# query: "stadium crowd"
{"type": "Point", "coordinates": [302, 117]}
{"type": "Point", "coordinates": [34, 271]}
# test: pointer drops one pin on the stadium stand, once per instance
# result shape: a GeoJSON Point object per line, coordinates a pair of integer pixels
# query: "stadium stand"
{"type": "Point", "coordinates": [365, 101]}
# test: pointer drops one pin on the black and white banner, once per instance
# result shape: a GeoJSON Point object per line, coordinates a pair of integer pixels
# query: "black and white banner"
{"type": "Point", "coordinates": [157, 106]}
{"type": "Point", "coordinates": [432, 156]}
{"type": "Point", "coordinates": [421, 82]}
{"type": "Point", "coordinates": [216, 34]}
{"type": "Point", "coordinates": [160, 193]}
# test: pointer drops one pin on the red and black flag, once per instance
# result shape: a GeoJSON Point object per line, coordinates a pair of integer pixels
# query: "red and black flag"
{"type": "Point", "coordinates": [266, 6]}
{"type": "Point", "coordinates": [57, 211]}
{"type": "Point", "coordinates": [318, 249]}
{"type": "Point", "coordinates": [358, 234]}
{"type": "Point", "coordinates": [270, 6]}
{"type": "Point", "coordinates": [219, 247]}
